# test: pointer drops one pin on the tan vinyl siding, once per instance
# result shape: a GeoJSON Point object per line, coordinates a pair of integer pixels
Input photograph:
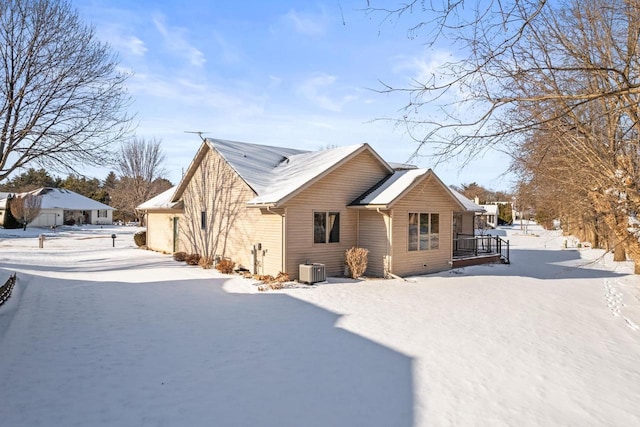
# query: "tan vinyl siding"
{"type": "Point", "coordinates": [373, 236]}
{"type": "Point", "coordinates": [426, 197]}
{"type": "Point", "coordinates": [332, 193]}
{"type": "Point", "coordinates": [269, 227]}
{"type": "Point", "coordinates": [468, 223]}
{"type": "Point", "coordinates": [160, 231]}
{"type": "Point", "coordinates": [233, 229]}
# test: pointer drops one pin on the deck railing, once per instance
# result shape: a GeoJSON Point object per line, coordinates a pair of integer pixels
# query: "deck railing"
{"type": "Point", "coordinates": [465, 246]}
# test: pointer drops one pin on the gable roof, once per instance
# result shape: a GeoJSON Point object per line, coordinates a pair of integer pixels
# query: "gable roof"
{"type": "Point", "coordinates": [300, 171]}
{"type": "Point", "coordinates": [275, 174]}
{"type": "Point", "coordinates": [61, 198]}
{"type": "Point", "coordinates": [391, 189]}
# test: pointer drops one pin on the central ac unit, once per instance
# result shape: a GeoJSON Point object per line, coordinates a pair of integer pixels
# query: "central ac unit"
{"type": "Point", "coordinates": [312, 273]}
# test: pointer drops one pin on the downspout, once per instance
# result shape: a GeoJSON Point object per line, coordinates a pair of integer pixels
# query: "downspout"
{"type": "Point", "coordinates": [358, 229]}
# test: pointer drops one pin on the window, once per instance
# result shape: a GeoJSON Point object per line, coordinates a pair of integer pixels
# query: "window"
{"type": "Point", "coordinates": [326, 227]}
{"type": "Point", "coordinates": [424, 231]}
{"type": "Point", "coordinates": [102, 213]}
{"type": "Point", "coordinates": [203, 220]}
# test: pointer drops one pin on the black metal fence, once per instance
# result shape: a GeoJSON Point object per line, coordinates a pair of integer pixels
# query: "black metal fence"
{"type": "Point", "coordinates": [5, 290]}
{"type": "Point", "coordinates": [466, 246]}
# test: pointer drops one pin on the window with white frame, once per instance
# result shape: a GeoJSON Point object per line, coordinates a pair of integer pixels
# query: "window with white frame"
{"type": "Point", "coordinates": [326, 227]}
{"type": "Point", "coordinates": [102, 213]}
{"type": "Point", "coordinates": [424, 231]}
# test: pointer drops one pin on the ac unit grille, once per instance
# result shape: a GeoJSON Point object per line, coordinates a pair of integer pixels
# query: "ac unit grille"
{"type": "Point", "coordinates": [312, 273]}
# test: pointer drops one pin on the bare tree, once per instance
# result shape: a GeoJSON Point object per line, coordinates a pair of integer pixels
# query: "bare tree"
{"type": "Point", "coordinates": [25, 208]}
{"type": "Point", "coordinates": [141, 173]}
{"type": "Point", "coordinates": [212, 203]}
{"type": "Point", "coordinates": [62, 96]}
{"type": "Point", "coordinates": [556, 84]}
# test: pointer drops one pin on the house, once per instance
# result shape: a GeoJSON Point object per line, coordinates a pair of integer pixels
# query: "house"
{"type": "Point", "coordinates": [489, 217]}
{"type": "Point", "coordinates": [271, 209]}
{"type": "Point", "coordinates": [61, 206]}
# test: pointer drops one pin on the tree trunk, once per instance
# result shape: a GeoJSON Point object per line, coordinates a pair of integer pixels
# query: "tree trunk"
{"type": "Point", "coordinates": [619, 254]}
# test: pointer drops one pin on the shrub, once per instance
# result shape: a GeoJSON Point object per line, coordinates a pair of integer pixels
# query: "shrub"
{"type": "Point", "coordinates": [357, 261]}
{"type": "Point", "coordinates": [140, 238]}
{"type": "Point", "coordinates": [206, 262]}
{"type": "Point", "coordinates": [193, 259]}
{"type": "Point", "coordinates": [180, 256]}
{"type": "Point", "coordinates": [225, 266]}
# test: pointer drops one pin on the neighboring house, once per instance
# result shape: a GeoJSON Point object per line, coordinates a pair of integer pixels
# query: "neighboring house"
{"type": "Point", "coordinates": [271, 209]}
{"type": "Point", "coordinates": [488, 218]}
{"type": "Point", "coordinates": [61, 206]}
{"type": "Point", "coordinates": [464, 222]}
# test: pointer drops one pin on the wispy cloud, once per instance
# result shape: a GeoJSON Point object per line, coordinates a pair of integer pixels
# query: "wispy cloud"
{"type": "Point", "coordinates": [424, 68]}
{"type": "Point", "coordinates": [176, 40]}
{"type": "Point", "coordinates": [316, 89]}
{"type": "Point", "coordinates": [309, 24]}
{"type": "Point", "coordinates": [135, 46]}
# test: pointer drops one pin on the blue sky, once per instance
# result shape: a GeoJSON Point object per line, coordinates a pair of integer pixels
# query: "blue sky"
{"type": "Point", "coordinates": [289, 73]}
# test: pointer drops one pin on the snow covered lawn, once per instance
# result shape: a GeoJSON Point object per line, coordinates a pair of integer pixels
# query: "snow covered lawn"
{"type": "Point", "coordinates": [95, 336]}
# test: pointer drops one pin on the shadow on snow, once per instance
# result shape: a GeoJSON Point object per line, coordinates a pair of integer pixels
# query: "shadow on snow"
{"type": "Point", "coordinates": [83, 353]}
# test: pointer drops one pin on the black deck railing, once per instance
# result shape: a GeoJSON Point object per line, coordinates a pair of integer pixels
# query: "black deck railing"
{"type": "Point", "coordinates": [466, 246]}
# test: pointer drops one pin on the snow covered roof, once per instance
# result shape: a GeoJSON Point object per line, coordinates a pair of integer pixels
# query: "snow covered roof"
{"type": "Point", "coordinates": [299, 170]}
{"type": "Point", "coordinates": [391, 189]}
{"type": "Point", "coordinates": [402, 166]}
{"type": "Point", "coordinates": [161, 201]}
{"type": "Point", "coordinates": [61, 198]}
{"type": "Point", "coordinates": [274, 173]}
{"type": "Point", "coordinates": [490, 209]}
{"type": "Point", "coordinates": [469, 204]}
{"type": "Point", "coordinates": [253, 162]}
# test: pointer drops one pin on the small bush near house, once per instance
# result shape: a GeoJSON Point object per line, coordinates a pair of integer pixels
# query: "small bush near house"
{"type": "Point", "coordinates": [193, 259]}
{"type": "Point", "coordinates": [140, 238]}
{"type": "Point", "coordinates": [180, 256]}
{"type": "Point", "coordinates": [225, 266]}
{"type": "Point", "coordinates": [206, 262]}
{"type": "Point", "coordinates": [357, 261]}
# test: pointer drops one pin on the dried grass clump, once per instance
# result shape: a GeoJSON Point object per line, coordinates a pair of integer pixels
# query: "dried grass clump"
{"type": "Point", "coordinates": [357, 261]}
{"type": "Point", "coordinates": [225, 266]}
{"type": "Point", "coordinates": [206, 262]}
{"type": "Point", "coordinates": [180, 256]}
{"type": "Point", "coordinates": [193, 259]}
{"type": "Point", "coordinates": [273, 283]}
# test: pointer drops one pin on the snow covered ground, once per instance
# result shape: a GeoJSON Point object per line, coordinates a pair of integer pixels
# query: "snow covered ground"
{"type": "Point", "coordinates": [101, 336]}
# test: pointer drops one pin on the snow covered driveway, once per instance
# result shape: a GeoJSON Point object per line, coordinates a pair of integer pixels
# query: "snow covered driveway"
{"type": "Point", "coordinates": [96, 335]}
